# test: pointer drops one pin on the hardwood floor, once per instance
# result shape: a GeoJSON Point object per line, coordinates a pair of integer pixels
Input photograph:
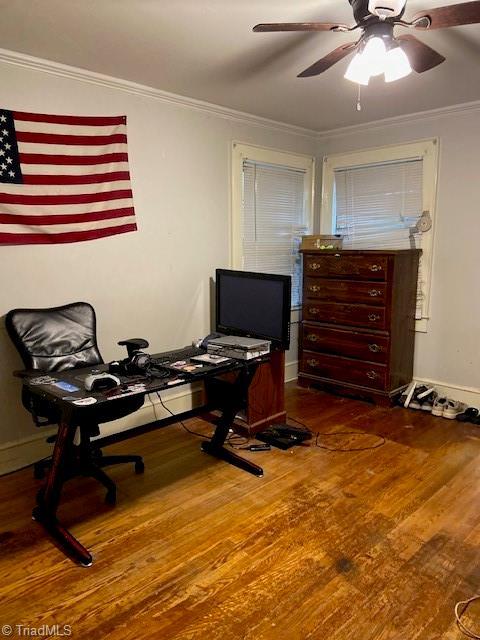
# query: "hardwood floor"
{"type": "Point", "coordinates": [366, 545]}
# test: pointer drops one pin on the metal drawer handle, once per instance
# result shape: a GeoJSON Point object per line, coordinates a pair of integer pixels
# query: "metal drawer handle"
{"type": "Point", "coordinates": [314, 310]}
{"type": "Point", "coordinates": [312, 363]}
{"type": "Point", "coordinates": [375, 348]}
{"type": "Point", "coordinates": [373, 293]}
{"type": "Point", "coordinates": [375, 267]}
{"type": "Point", "coordinates": [372, 375]}
{"type": "Point", "coordinates": [373, 317]}
{"type": "Point", "coordinates": [314, 266]}
{"type": "Point", "coordinates": [312, 337]}
{"type": "Point", "coordinates": [314, 288]}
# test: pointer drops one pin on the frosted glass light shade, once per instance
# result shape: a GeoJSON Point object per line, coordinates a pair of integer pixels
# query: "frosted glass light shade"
{"type": "Point", "coordinates": [357, 70]}
{"type": "Point", "coordinates": [397, 65]}
{"type": "Point", "coordinates": [374, 56]}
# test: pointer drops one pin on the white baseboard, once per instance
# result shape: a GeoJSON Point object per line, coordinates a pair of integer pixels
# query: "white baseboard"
{"type": "Point", "coordinates": [291, 371]}
{"type": "Point", "coordinates": [22, 453]}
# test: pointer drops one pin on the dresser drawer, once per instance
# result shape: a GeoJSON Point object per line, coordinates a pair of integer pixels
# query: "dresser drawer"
{"type": "Point", "coordinates": [357, 315]}
{"type": "Point", "coordinates": [345, 290]}
{"type": "Point", "coordinates": [337, 266]}
{"type": "Point", "coordinates": [350, 344]}
{"type": "Point", "coordinates": [365, 374]}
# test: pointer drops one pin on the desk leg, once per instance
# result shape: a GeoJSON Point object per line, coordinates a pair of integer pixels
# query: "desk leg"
{"type": "Point", "coordinates": [215, 446]}
{"type": "Point", "coordinates": [49, 497]}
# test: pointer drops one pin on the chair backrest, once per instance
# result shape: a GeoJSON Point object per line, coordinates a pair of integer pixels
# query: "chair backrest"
{"type": "Point", "coordinates": [55, 339]}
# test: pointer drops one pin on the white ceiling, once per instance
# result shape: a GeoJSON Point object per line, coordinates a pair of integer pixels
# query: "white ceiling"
{"type": "Point", "coordinates": [206, 49]}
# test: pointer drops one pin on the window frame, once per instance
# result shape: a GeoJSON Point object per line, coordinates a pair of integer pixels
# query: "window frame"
{"type": "Point", "coordinates": [428, 151]}
{"type": "Point", "coordinates": [242, 152]}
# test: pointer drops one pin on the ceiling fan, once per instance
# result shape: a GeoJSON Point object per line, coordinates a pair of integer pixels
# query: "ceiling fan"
{"type": "Point", "coordinates": [377, 49]}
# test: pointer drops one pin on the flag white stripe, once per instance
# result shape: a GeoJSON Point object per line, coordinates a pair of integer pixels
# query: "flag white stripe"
{"type": "Point", "coordinates": [65, 228]}
{"type": "Point", "coordinates": [65, 209]}
{"type": "Point", "coordinates": [71, 149]}
{"type": "Point", "coordinates": [71, 169]}
{"type": "Point", "coordinates": [62, 189]}
{"type": "Point", "coordinates": [68, 129]}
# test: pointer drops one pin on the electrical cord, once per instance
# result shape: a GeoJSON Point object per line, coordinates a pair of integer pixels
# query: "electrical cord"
{"type": "Point", "coordinates": [463, 605]}
{"type": "Point", "coordinates": [233, 441]}
{"type": "Point", "coordinates": [194, 433]}
{"type": "Point", "coordinates": [318, 435]}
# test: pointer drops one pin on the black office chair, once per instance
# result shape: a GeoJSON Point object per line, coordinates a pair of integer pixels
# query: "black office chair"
{"type": "Point", "coordinates": [65, 338]}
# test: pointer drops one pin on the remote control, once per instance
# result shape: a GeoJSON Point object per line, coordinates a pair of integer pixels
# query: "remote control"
{"type": "Point", "coordinates": [259, 447]}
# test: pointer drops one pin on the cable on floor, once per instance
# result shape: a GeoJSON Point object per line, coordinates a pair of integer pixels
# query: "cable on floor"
{"type": "Point", "coordinates": [237, 441]}
{"type": "Point", "coordinates": [319, 435]}
{"type": "Point", "coordinates": [460, 608]}
{"type": "Point", "coordinates": [194, 433]}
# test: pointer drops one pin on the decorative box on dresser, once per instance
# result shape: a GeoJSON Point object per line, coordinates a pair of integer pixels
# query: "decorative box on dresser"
{"type": "Point", "coordinates": [357, 332]}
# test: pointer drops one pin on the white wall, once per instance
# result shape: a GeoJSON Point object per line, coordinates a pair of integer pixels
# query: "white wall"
{"type": "Point", "coordinates": [449, 353]}
{"type": "Point", "coordinates": [153, 283]}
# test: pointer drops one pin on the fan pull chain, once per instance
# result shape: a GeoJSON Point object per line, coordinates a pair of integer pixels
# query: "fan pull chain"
{"type": "Point", "coordinates": [359, 98]}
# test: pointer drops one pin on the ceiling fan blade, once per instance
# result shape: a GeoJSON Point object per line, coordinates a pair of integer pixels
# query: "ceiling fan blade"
{"type": "Point", "coordinates": [421, 56]}
{"type": "Point", "coordinates": [328, 61]}
{"type": "Point", "coordinates": [453, 15]}
{"type": "Point", "coordinates": [300, 26]}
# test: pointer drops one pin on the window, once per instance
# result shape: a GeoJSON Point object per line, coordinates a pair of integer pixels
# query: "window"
{"type": "Point", "coordinates": [272, 209]}
{"type": "Point", "coordinates": [384, 199]}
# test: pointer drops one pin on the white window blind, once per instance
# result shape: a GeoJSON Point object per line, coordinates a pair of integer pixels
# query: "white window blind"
{"type": "Point", "coordinates": [378, 206]}
{"type": "Point", "coordinates": [273, 220]}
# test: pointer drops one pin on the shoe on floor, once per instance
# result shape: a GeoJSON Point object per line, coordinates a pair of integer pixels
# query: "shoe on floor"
{"type": "Point", "coordinates": [469, 415]}
{"type": "Point", "coordinates": [423, 398]}
{"type": "Point", "coordinates": [408, 393]}
{"type": "Point", "coordinates": [428, 402]}
{"type": "Point", "coordinates": [453, 408]}
{"type": "Point", "coordinates": [439, 406]}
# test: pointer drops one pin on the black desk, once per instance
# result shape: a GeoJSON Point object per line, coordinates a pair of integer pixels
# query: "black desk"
{"type": "Point", "coordinates": [73, 403]}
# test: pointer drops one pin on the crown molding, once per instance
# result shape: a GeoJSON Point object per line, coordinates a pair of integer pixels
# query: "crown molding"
{"type": "Point", "coordinates": [431, 114]}
{"type": "Point", "coordinates": [83, 75]}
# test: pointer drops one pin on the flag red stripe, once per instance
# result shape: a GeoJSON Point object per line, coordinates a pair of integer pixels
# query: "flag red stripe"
{"type": "Point", "coordinates": [44, 158]}
{"type": "Point", "coordinates": [56, 138]}
{"type": "Point", "coordinates": [81, 198]}
{"type": "Point", "coordinates": [86, 179]}
{"type": "Point", "coordinates": [10, 218]}
{"type": "Point", "coordinates": [79, 120]}
{"type": "Point", "coordinates": [58, 238]}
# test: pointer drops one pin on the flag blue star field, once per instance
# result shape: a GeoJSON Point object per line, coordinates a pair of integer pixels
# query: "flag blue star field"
{"type": "Point", "coordinates": [63, 178]}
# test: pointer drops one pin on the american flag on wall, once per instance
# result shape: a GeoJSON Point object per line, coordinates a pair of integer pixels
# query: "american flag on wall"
{"type": "Point", "coordinates": [63, 178]}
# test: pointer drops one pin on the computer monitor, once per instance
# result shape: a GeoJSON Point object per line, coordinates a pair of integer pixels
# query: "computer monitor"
{"type": "Point", "coordinates": [254, 304]}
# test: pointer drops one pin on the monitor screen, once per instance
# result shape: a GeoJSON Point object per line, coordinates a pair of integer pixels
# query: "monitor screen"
{"type": "Point", "coordinates": [254, 304]}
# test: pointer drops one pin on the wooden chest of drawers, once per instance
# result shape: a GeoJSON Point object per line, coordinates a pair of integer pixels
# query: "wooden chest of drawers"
{"type": "Point", "coordinates": [358, 323]}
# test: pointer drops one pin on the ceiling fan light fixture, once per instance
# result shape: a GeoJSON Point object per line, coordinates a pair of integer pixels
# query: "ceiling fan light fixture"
{"type": "Point", "coordinates": [374, 55]}
{"type": "Point", "coordinates": [357, 70]}
{"type": "Point", "coordinates": [397, 65]}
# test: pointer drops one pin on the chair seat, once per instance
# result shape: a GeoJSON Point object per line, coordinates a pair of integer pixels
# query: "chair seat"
{"type": "Point", "coordinates": [57, 339]}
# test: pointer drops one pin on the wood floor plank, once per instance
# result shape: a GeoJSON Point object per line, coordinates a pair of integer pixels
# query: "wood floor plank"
{"type": "Point", "coordinates": [374, 545]}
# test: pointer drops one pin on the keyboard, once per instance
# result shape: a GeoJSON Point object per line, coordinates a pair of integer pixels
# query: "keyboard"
{"type": "Point", "coordinates": [178, 354]}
